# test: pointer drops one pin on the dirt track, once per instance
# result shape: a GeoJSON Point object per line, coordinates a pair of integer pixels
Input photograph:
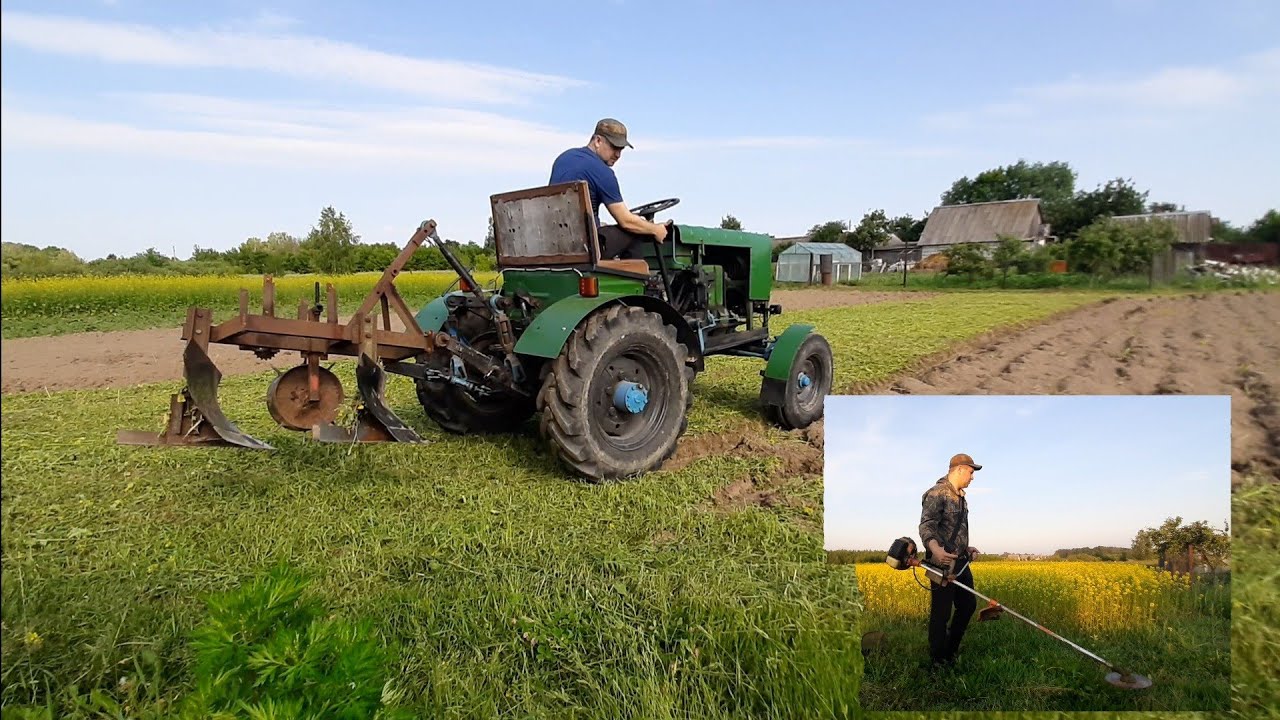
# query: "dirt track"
{"type": "Point", "coordinates": [126, 358]}
{"type": "Point", "coordinates": [1213, 344]}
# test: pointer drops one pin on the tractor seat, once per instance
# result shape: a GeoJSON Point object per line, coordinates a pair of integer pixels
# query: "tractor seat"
{"type": "Point", "coordinates": [634, 266]}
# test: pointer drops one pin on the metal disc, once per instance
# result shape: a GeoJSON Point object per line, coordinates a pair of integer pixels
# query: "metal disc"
{"type": "Point", "coordinates": [1128, 681]}
{"type": "Point", "coordinates": [289, 402]}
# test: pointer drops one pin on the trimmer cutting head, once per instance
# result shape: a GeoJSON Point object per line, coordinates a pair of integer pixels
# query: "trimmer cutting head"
{"type": "Point", "coordinates": [1128, 680]}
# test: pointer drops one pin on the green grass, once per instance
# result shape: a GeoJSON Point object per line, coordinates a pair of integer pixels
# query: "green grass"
{"type": "Point", "coordinates": [1007, 664]}
{"type": "Point", "coordinates": [56, 306]}
{"type": "Point", "coordinates": [1255, 635]}
{"type": "Point", "coordinates": [504, 587]}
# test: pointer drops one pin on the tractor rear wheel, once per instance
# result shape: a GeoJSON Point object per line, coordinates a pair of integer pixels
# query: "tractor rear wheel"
{"type": "Point", "coordinates": [799, 403]}
{"type": "Point", "coordinates": [457, 410]}
{"type": "Point", "coordinates": [616, 399]}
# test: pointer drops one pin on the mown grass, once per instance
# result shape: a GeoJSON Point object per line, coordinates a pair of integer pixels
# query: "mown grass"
{"type": "Point", "coordinates": [1149, 623]}
{"type": "Point", "coordinates": [505, 587]}
{"type": "Point", "coordinates": [56, 306]}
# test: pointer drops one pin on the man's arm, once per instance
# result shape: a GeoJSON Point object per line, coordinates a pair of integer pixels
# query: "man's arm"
{"type": "Point", "coordinates": [931, 512]}
{"type": "Point", "coordinates": [634, 223]}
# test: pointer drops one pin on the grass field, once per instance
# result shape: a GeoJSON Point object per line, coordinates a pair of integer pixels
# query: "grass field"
{"type": "Point", "coordinates": [1152, 623]}
{"type": "Point", "coordinates": [55, 306]}
{"type": "Point", "coordinates": [498, 585]}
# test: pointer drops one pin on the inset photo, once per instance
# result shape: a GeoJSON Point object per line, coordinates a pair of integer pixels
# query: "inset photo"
{"type": "Point", "coordinates": [1048, 553]}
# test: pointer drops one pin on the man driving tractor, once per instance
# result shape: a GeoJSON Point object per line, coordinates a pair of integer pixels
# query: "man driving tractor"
{"type": "Point", "coordinates": [593, 163]}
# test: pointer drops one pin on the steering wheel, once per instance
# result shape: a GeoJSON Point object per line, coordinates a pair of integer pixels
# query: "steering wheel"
{"type": "Point", "coordinates": [647, 211]}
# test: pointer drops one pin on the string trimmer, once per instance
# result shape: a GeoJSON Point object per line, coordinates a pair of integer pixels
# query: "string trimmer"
{"type": "Point", "coordinates": [902, 555]}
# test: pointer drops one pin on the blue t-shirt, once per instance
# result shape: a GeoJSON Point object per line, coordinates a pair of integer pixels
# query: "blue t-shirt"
{"type": "Point", "coordinates": [583, 164]}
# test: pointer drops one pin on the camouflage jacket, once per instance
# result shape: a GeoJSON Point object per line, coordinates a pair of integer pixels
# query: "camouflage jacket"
{"type": "Point", "coordinates": [944, 513]}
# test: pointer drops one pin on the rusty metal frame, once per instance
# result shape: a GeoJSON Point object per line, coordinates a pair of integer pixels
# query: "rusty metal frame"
{"type": "Point", "coordinates": [194, 415]}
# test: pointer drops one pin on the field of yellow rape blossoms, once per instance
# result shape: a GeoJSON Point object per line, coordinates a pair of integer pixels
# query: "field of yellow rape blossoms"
{"type": "Point", "coordinates": [58, 305]}
{"type": "Point", "coordinates": [1159, 624]}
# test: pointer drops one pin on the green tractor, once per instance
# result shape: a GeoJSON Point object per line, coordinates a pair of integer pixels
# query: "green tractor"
{"type": "Point", "coordinates": [607, 350]}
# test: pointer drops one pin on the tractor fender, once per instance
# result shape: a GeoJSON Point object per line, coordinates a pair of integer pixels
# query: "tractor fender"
{"type": "Point", "coordinates": [432, 315]}
{"type": "Point", "coordinates": [783, 352]}
{"type": "Point", "coordinates": [550, 330]}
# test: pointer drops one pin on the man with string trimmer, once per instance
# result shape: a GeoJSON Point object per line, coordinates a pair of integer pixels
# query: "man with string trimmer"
{"type": "Point", "coordinates": [944, 533]}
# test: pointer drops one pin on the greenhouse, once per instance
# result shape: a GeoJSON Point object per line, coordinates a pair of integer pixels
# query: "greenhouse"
{"type": "Point", "coordinates": [801, 263]}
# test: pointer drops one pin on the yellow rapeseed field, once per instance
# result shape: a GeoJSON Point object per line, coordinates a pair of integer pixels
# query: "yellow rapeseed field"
{"type": "Point", "coordinates": [1094, 596]}
{"type": "Point", "coordinates": [91, 295]}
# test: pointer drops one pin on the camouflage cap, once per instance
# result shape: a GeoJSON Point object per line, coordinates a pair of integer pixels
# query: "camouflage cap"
{"type": "Point", "coordinates": [613, 131]}
{"type": "Point", "coordinates": [963, 459]}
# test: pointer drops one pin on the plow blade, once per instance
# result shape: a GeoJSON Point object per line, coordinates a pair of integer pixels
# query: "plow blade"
{"type": "Point", "coordinates": [375, 421]}
{"type": "Point", "coordinates": [195, 417]}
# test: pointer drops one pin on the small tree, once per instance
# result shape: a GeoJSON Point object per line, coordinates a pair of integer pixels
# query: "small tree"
{"type": "Point", "coordinates": [331, 243]}
{"type": "Point", "coordinates": [832, 231]}
{"type": "Point", "coordinates": [872, 232]}
{"type": "Point", "coordinates": [729, 222]}
{"type": "Point", "coordinates": [967, 259]}
{"type": "Point", "coordinates": [1094, 250]}
{"type": "Point", "coordinates": [1007, 253]}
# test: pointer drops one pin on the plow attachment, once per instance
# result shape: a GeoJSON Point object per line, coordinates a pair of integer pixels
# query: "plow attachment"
{"type": "Point", "coordinates": [375, 422]}
{"type": "Point", "coordinates": [195, 417]}
{"type": "Point", "coordinates": [307, 397]}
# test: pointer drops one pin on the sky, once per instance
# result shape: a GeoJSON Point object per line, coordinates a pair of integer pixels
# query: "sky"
{"type": "Point", "coordinates": [130, 124]}
{"type": "Point", "coordinates": [1057, 471]}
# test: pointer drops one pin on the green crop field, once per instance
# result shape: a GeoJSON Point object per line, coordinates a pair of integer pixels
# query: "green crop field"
{"type": "Point", "coordinates": [481, 579]}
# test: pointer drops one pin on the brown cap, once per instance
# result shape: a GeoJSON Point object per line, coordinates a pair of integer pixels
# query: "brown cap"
{"type": "Point", "coordinates": [963, 459]}
{"type": "Point", "coordinates": [613, 131]}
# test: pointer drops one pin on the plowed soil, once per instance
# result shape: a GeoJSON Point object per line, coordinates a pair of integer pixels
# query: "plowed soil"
{"type": "Point", "coordinates": [133, 357]}
{"type": "Point", "coordinates": [1209, 344]}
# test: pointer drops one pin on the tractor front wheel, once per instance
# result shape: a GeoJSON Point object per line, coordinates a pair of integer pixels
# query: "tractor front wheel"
{"type": "Point", "coordinates": [797, 401]}
{"type": "Point", "coordinates": [615, 401]}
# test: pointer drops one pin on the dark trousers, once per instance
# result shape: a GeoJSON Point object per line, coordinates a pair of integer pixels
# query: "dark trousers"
{"type": "Point", "coordinates": [616, 242]}
{"type": "Point", "coordinates": [944, 640]}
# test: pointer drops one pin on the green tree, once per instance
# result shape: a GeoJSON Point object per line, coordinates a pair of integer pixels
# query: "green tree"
{"type": "Point", "coordinates": [490, 245]}
{"type": "Point", "coordinates": [729, 222]}
{"type": "Point", "coordinates": [832, 231]}
{"type": "Point", "coordinates": [872, 232]}
{"type": "Point", "coordinates": [1008, 253]}
{"type": "Point", "coordinates": [967, 259]}
{"type": "Point", "coordinates": [1053, 183]}
{"type": "Point", "coordinates": [1223, 232]}
{"type": "Point", "coordinates": [1165, 207]}
{"type": "Point", "coordinates": [1265, 228]}
{"type": "Point", "coordinates": [907, 228]}
{"type": "Point", "coordinates": [331, 243]}
{"type": "Point", "coordinates": [1094, 250]}
{"type": "Point", "coordinates": [1172, 539]}
{"type": "Point", "coordinates": [22, 260]}
{"type": "Point", "coordinates": [1115, 197]}
{"type": "Point", "coordinates": [1138, 243]}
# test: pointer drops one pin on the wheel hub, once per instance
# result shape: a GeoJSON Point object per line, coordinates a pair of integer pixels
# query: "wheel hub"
{"type": "Point", "coordinates": [804, 380]}
{"type": "Point", "coordinates": [630, 397]}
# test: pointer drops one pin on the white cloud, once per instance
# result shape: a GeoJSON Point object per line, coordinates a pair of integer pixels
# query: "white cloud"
{"type": "Point", "coordinates": [300, 56]}
{"type": "Point", "coordinates": [232, 130]}
{"type": "Point", "coordinates": [1132, 101]}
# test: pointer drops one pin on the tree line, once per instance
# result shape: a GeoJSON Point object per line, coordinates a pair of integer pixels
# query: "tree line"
{"type": "Point", "coordinates": [331, 247]}
{"type": "Point", "coordinates": [1081, 219]}
{"type": "Point", "coordinates": [1158, 545]}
